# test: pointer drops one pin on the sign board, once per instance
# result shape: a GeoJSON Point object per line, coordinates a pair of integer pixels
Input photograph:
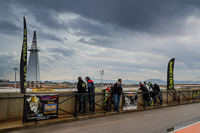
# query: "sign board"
{"type": "Point", "coordinates": [40, 107]}
{"type": "Point", "coordinates": [43, 90]}
{"type": "Point", "coordinates": [129, 100]}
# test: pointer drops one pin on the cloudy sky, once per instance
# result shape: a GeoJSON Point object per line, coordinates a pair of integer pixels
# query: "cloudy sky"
{"type": "Point", "coordinates": [130, 39]}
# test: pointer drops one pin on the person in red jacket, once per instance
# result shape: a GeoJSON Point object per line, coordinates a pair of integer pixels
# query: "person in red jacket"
{"type": "Point", "coordinates": [91, 94]}
{"type": "Point", "coordinates": [107, 96]}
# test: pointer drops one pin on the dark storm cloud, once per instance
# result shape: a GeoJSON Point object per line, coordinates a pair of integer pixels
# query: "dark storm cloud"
{"type": "Point", "coordinates": [84, 27]}
{"type": "Point", "coordinates": [7, 27]}
{"type": "Point", "coordinates": [140, 26]}
{"type": "Point", "coordinates": [155, 16]}
{"type": "Point", "coordinates": [141, 15]}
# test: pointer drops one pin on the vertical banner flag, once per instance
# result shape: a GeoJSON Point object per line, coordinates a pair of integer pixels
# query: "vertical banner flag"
{"type": "Point", "coordinates": [170, 75]}
{"type": "Point", "coordinates": [23, 61]}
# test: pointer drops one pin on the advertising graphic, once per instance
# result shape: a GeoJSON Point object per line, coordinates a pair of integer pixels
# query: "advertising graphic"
{"type": "Point", "coordinates": [129, 100]}
{"type": "Point", "coordinates": [170, 74]}
{"type": "Point", "coordinates": [40, 107]}
{"type": "Point", "coordinates": [23, 61]}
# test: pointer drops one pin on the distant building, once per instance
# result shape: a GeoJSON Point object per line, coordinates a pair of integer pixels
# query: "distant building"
{"type": "Point", "coordinates": [48, 82]}
{"type": "Point", "coordinates": [4, 81]}
{"type": "Point", "coordinates": [33, 71]}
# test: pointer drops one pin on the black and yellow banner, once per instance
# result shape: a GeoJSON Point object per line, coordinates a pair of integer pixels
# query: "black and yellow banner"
{"type": "Point", "coordinates": [170, 75]}
{"type": "Point", "coordinates": [23, 61]}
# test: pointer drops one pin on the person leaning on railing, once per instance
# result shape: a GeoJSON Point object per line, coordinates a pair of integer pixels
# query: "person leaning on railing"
{"type": "Point", "coordinates": [117, 94]}
{"type": "Point", "coordinates": [81, 87]}
{"type": "Point", "coordinates": [145, 93]}
{"type": "Point", "coordinates": [158, 92]}
{"type": "Point", "coordinates": [107, 97]}
{"type": "Point", "coordinates": [112, 92]}
{"type": "Point", "coordinates": [91, 94]}
{"type": "Point", "coordinates": [153, 92]}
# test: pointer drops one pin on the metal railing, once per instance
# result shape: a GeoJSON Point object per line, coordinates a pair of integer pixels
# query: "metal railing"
{"type": "Point", "coordinates": [174, 97]}
{"type": "Point", "coordinates": [76, 103]}
{"type": "Point", "coordinates": [144, 100]}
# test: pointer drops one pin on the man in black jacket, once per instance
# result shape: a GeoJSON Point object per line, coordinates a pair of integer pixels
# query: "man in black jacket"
{"type": "Point", "coordinates": [158, 92]}
{"type": "Point", "coordinates": [145, 93]}
{"type": "Point", "coordinates": [117, 94]}
{"type": "Point", "coordinates": [81, 86]}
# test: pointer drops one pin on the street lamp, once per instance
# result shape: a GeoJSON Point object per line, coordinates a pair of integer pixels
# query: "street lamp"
{"type": "Point", "coordinates": [15, 69]}
{"type": "Point", "coordinates": [102, 73]}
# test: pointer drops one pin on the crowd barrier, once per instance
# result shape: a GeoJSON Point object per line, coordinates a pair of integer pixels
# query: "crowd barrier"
{"type": "Point", "coordinates": [11, 104]}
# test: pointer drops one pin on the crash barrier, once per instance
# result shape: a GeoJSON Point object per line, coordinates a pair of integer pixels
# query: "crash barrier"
{"type": "Point", "coordinates": [12, 104]}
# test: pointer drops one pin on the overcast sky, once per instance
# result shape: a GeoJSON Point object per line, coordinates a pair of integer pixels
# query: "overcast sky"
{"type": "Point", "coordinates": [128, 39]}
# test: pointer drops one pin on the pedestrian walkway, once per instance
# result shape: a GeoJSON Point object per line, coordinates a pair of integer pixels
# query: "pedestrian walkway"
{"type": "Point", "coordinates": [150, 121]}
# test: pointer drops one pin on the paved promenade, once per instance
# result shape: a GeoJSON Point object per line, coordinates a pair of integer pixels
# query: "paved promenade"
{"type": "Point", "coordinates": [150, 121]}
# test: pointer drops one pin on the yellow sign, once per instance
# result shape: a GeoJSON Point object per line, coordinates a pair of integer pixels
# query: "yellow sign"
{"type": "Point", "coordinates": [43, 89]}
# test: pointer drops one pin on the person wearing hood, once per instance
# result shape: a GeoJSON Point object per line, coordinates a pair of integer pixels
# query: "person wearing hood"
{"type": "Point", "coordinates": [81, 87]}
{"type": "Point", "coordinates": [91, 93]}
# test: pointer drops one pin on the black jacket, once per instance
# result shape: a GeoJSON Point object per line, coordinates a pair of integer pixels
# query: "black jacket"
{"type": "Point", "coordinates": [153, 88]}
{"type": "Point", "coordinates": [157, 88]}
{"type": "Point", "coordinates": [112, 90]}
{"type": "Point", "coordinates": [143, 88]}
{"type": "Point", "coordinates": [81, 86]}
{"type": "Point", "coordinates": [117, 88]}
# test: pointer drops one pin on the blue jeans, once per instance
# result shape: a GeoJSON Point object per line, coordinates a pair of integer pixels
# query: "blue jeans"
{"type": "Point", "coordinates": [92, 102]}
{"type": "Point", "coordinates": [160, 98]}
{"type": "Point", "coordinates": [117, 98]}
{"type": "Point", "coordinates": [82, 101]}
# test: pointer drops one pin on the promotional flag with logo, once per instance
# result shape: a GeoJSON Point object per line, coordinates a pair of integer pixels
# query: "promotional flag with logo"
{"type": "Point", "coordinates": [170, 75]}
{"type": "Point", "coordinates": [23, 61]}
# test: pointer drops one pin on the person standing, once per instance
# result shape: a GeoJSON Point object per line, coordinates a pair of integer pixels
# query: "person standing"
{"type": "Point", "coordinates": [91, 93]}
{"type": "Point", "coordinates": [117, 94]}
{"type": "Point", "coordinates": [81, 86]}
{"type": "Point", "coordinates": [158, 92]}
